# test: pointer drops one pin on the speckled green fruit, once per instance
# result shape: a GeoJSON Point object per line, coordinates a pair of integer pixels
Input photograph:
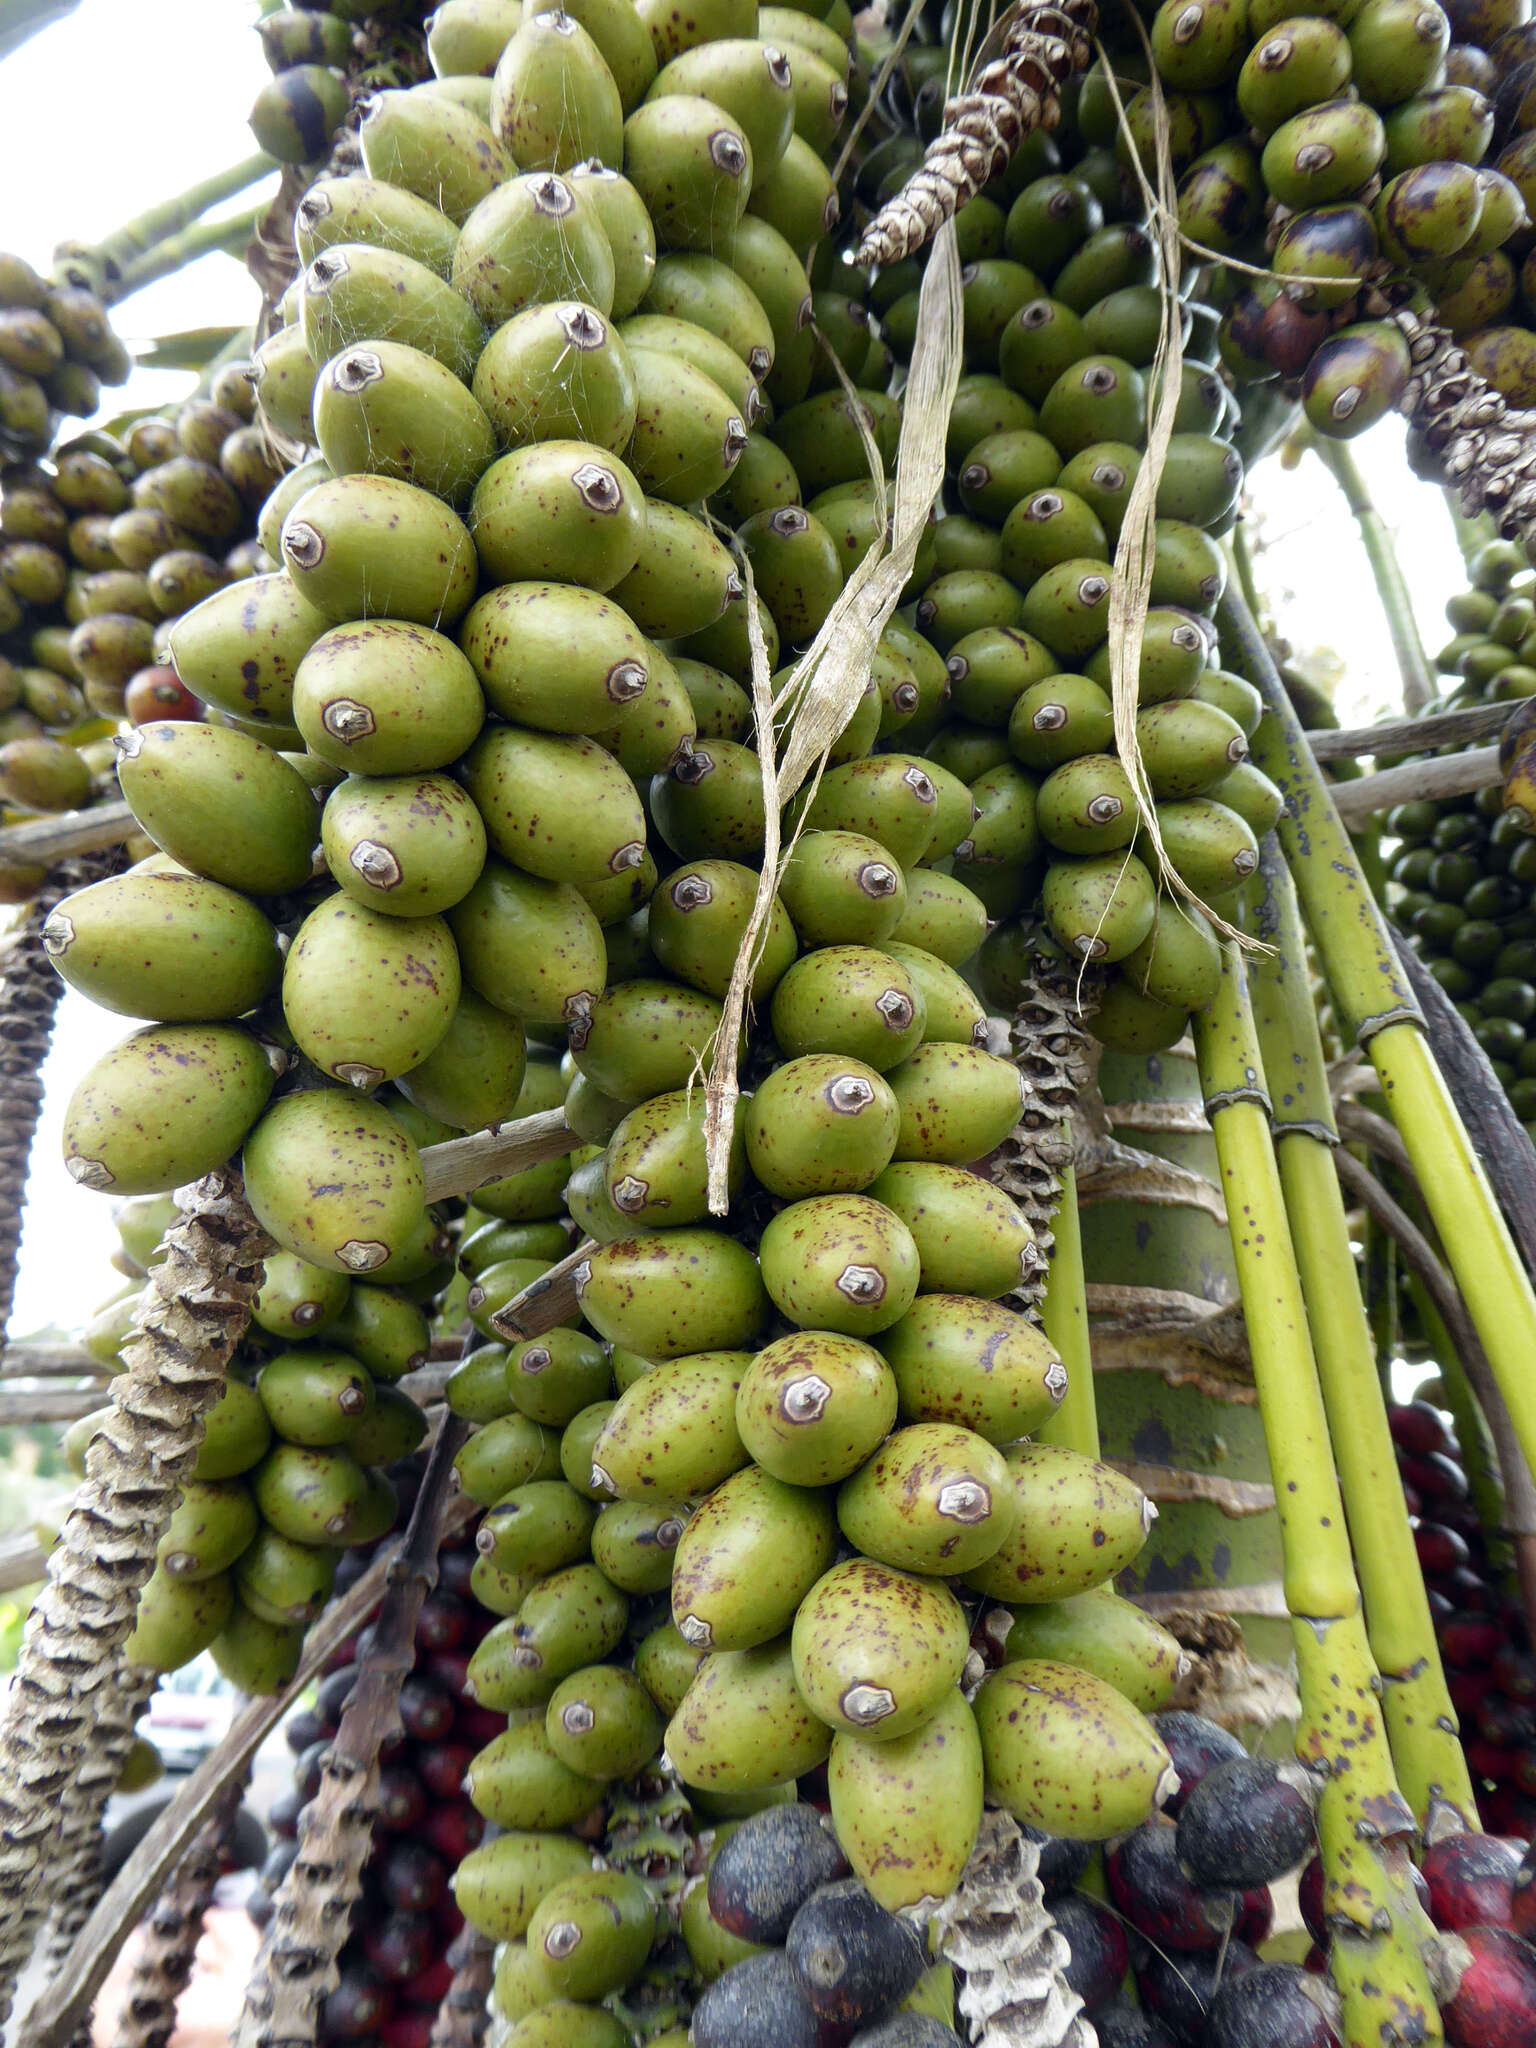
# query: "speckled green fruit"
{"type": "Point", "coordinates": [434, 147]}
{"type": "Point", "coordinates": [973, 1363]}
{"type": "Point", "coordinates": [943, 917]}
{"type": "Point", "coordinates": [334, 1179]}
{"type": "Point", "coordinates": [1100, 908]}
{"type": "Point", "coordinates": [934, 1499]}
{"type": "Point", "coordinates": [211, 1524]}
{"type": "Point", "coordinates": [558, 658]}
{"type": "Point", "coordinates": [367, 996]}
{"type": "Point", "coordinates": [554, 101]}
{"type": "Point", "coordinates": [352, 293]}
{"type": "Point", "coordinates": [953, 1013]}
{"type": "Point", "coordinates": [373, 546]}
{"type": "Point", "coordinates": [634, 1543]}
{"type": "Point", "coordinates": [386, 697]}
{"type": "Point", "coordinates": [557, 805]}
{"type": "Point", "coordinates": [255, 1655]}
{"type": "Point", "coordinates": [688, 434]}
{"type": "Point", "coordinates": [567, 2023]}
{"type": "Point", "coordinates": [409, 845]}
{"type": "Point", "coordinates": [236, 1433]}
{"type": "Point", "coordinates": [474, 1074]}
{"type": "Point", "coordinates": [956, 1102]}
{"type": "Point", "coordinates": [240, 649]}
{"type": "Point", "coordinates": [655, 1166]}
{"type": "Point", "coordinates": [498, 1885]}
{"type": "Point", "coordinates": [1067, 1753]}
{"type": "Point", "coordinates": [554, 1377]}
{"type": "Point", "coordinates": [1080, 1522]}
{"type": "Point", "coordinates": [504, 1453]}
{"type": "Point", "coordinates": [563, 510]}
{"type": "Point", "coordinates": [356, 209]}
{"type": "Point", "coordinates": [171, 947]}
{"type": "Point", "coordinates": [876, 1650]}
{"type": "Point", "coordinates": [383, 1330]}
{"type": "Point", "coordinates": [314, 1396]}
{"type": "Point", "coordinates": [710, 293]}
{"type": "Point", "coordinates": [627, 225]}
{"type": "Point", "coordinates": [533, 240]}
{"type": "Point", "coordinates": [842, 888]}
{"type": "Point", "coordinates": [840, 1262]}
{"type": "Point", "coordinates": [388, 410]}
{"type": "Point", "coordinates": [813, 1406]}
{"type": "Point", "coordinates": [283, 1582]}
{"type": "Point", "coordinates": [907, 1809]}
{"type": "Point", "coordinates": [888, 797]}
{"type": "Point", "coordinates": [1179, 961]}
{"type": "Point", "coordinates": [971, 1239]}
{"type": "Point", "coordinates": [517, 1781]}
{"type": "Point", "coordinates": [673, 1292]}
{"type": "Point", "coordinates": [285, 381]}
{"type": "Point", "coordinates": [1110, 1637]}
{"type": "Point", "coordinates": [821, 1124]}
{"type": "Point", "coordinates": [163, 1107]}
{"type": "Point", "coordinates": [177, 1619]}
{"type": "Point", "coordinates": [603, 1722]}
{"type": "Point", "coordinates": [721, 1598]}
{"type": "Point", "coordinates": [665, 1664]}
{"type": "Point", "coordinates": [852, 1001]}
{"type": "Point", "coordinates": [681, 579]}
{"type": "Point", "coordinates": [645, 1038]}
{"type": "Point", "coordinates": [310, 1495]}
{"type": "Point", "coordinates": [673, 1434]}
{"type": "Point", "coordinates": [569, 1619]}
{"type": "Point", "coordinates": [698, 917]}
{"type": "Point", "coordinates": [744, 1725]}
{"type": "Point", "coordinates": [531, 947]}
{"type": "Point", "coordinates": [1211, 848]}
{"type": "Point", "coordinates": [559, 371]}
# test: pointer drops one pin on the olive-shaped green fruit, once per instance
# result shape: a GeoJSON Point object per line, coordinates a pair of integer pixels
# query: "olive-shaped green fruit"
{"type": "Point", "coordinates": [367, 996]}
{"type": "Point", "coordinates": [716, 359]}
{"type": "Point", "coordinates": [1397, 49]}
{"type": "Point", "coordinates": [171, 947]}
{"type": "Point", "coordinates": [255, 1655]}
{"type": "Point", "coordinates": [1327, 152]}
{"type": "Point", "coordinates": [1059, 720]}
{"type": "Point", "coordinates": [954, 1014]}
{"type": "Point", "coordinates": [1067, 1753]}
{"type": "Point", "coordinates": [530, 947]}
{"type": "Point", "coordinates": [842, 888]}
{"type": "Point", "coordinates": [556, 804]}
{"type": "Point", "coordinates": [388, 410]}
{"type": "Point", "coordinates": [392, 1430]}
{"type": "Point", "coordinates": [285, 381]}
{"type": "Point", "coordinates": [1041, 340]}
{"type": "Point", "coordinates": [498, 1885]}
{"type": "Point", "coordinates": [590, 1935]}
{"type": "Point", "coordinates": [1101, 398]}
{"type": "Point", "coordinates": [970, 1238]}
{"type": "Point", "coordinates": [1080, 1522]}
{"type": "Point", "coordinates": [665, 1664]}
{"type": "Point", "coordinates": [554, 101]}
{"type": "Point", "coordinates": [1100, 908]}
{"type": "Point", "coordinates": [1186, 746]}
{"type": "Point", "coordinates": [744, 1725]}
{"type": "Point", "coordinates": [429, 145]}
{"type": "Point", "coordinates": [672, 1434]}
{"type": "Point", "coordinates": [712, 1948]}
{"type": "Point", "coordinates": [235, 1434]}
{"type": "Point", "coordinates": [1172, 656]}
{"type": "Point", "coordinates": [956, 1103]}
{"type": "Point", "coordinates": [1189, 571]}
{"type": "Point", "coordinates": [655, 1165]}
{"type": "Point", "coordinates": [373, 546]}
{"type": "Point", "coordinates": [751, 80]}
{"type": "Point", "coordinates": [382, 1329]}
{"type": "Point", "coordinates": [1231, 694]}
{"type": "Point", "coordinates": [934, 1499]}
{"type": "Point", "coordinates": [539, 1526]}
{"type": "Point", "coordinates": [721, 707]}
{"type": "Point", "coordinates": [1115, 256]}
{"type": "Point", "coordinates": [517, 1781]}
{"type": "Point", "coordinates": [1087, 805]}
{"type": "Point", "coordinates": [1046, 527]}
{"type": "Point", "coordinates": [334, 1178]}
{"type": "Point", "coordinates": [681, 579]}
{"type": "Point", "coordinates": [553, 1377]}
{"type": "Point", "coordinates": [315, 1397]}
{"type": "Point", "coordinates": [813, 1406]}
{"type": "Point", "coordinates": [798, 569]}
{"type": "Point", "coordinates": [673, 1291]}
{"type": "Point", "coordinates": [387, 697]}
{"type": "Point", "coordinates": [688, 434]}
{"type": "Point", "coordinates": [358, 209]}
{"type": "Point", "coordinates": [566, 2023]}
{"type": "Point", "coordinates": [708, 292]}
{"type": "Point", "coordinates": [797, 196]}
{"type": "Point", "coordinates": [990, 668]}
{"type": "Point", "coordinates": [852, 1001]}
{"type": "Point", "coordinates": [625, 222]}
{"type": "Point", "coordinates": [698, 918]}
{"type": "Point", "coordinates": [177, 1619]}
{"type": "Point", "coordinates": [964, 602]}
{"type": "Point", "coordinates": [840, 1262]}
{"type": "Point", "coordinates": [212, 1523]}
{"type": "Point", "coordinates": [975, 1364]}
{"type": "Point", "coordinates": [943, 917]}
{"type": "Point", "coordinates": [240, 649]}
{"type": "Point", "coordinates": [646, 1038]}
{"type": "Point", "coordinates": [710, 802]}
{"type": "Point", "coordinates": [890, 798]}
{"type": "Point", "coordinates": [1354, 378]}
{"type": "Point", "coordinates": [310, 1495]}
{"type": "Point", "coordinates": [1179, 961]}
{"type": "Point", "coordinates": [1248, 791]}
{"type": "Point", "coordinates": [283, 1582]}
{"type": "Point", "coordinates": [163, 1107]}
{"type": "Point", "coordinates": [1068, 606]}
{"type": "Point", "coordinates": [876, 1650]}
{"type": "Point", "coordinates": [820, 1124]}
{"type": "Point", "coordinates": [507, 1452]}
{"type": "Point", "coordinates": [1101, 1633]}
{"type": "Point", "coordinates": [536, 238]}
{"type": "Point", "coordinates": [561, 658]}
{"type": "Point", "coordinates": [603, 1722]}
{"type": "Point", "coordinates": [728, 645]}
{"type": "Point", "coordinates": [1208, 846]}
{"type": "Point", "coordinates": [1294, 65]}
{"type": "Point", "coordinates": [1103, 476]}
{"type": "Point", "coordinates": [907, 1809]}
{"type": "Point", "coordinates": [1201, 480]}
{"type": "Point", "coordinates": [691, 163]}
{"type": "Point", "coordinates": [559, 371]}
{"type": "Point", "coordinates": [721, 1599]}
{"type": "Point", "coordinates": [824, 437]}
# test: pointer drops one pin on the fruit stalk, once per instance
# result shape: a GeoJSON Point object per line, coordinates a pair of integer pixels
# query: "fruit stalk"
{"type": "Point", "coordinates": [1421, 1722]}
{"type": "Point", "coordinates": [103, 263]}
{"type": "Point", "coordinates": [1376, 1009]}
{"type": "Point", "coordinates": [42, 841]}
{"type": "Point", "coordinates": [465, 2012]}
{"type": "Point", "coordinates": [296, 1966]}
{"type": "Point", "coordinates": [1477, 442]}
{"type": "Point", "coordinates": [1064, 1316]}
{"type": "Point", "coordinates": [229, 235]}
{"type": "Point", "coordinates": [1363, 1822]}
{"type": "Point", "coordinates": [193, 1313]}
{"type": "Point", "coordinates": [1386, 571]}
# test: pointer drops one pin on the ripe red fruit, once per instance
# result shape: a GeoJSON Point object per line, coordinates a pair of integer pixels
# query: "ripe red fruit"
{"type": "Point", "coordinates": [1471, 1880]}
{"type": "Point", "coordinates": [359, 2005]}
{"type": "Point", "coordinates": [1440, 1549]}
{"type": "Point", "coordinates": [453, 1570]}
{"type": "Point", "coordinates": [1490, 1759]}
{"type": "Point", "coordinates": [1310, 1899]}
{"type": "Point", "coordinates": [478, 1725]}
{"type": "Point", "coordinates": [453, 1830]}
{"type": "Point", "coordinates": [1494, 2002]}
{"type": "Point", "coordinates": [431, 1987]}
{"type": "Point", "coordinates": [1515, 1672]}
{"type": "Point", "coordinates": [411, 2028]}
{"type": "Point", "coordinates": [426, 1711]}
{"type": "Point", "coordinates": [442, 1623]}
{"type": "Point", "coordinates": [449, 1668]}
{"type": "Point", "coordinates": [1435, 1476]}
{"type": "Point", "coordinates": [402, 1799]}
{"type": "Point", "coordinates": [1275, 2006]}
{"type": "Point", "coordinates": [1417, 1427]}
{"type": "Point", "coordinates": [1159, 1899]}
{"type": "Point", "coordinates": [411, 1878]}
{"type": "Point", "coordinates": [442, 1766]}
{"type": "Point", "coordinates": [158, 692]}
{"type": "Point", "coordinates": [1523, 1899]}
{"type": "Point", "coordinates": [1470, 1639]}
{"type": "Point", "coordinates": [400, 1947]}
{"type": "Point", "coordinates": [1256, 1917]}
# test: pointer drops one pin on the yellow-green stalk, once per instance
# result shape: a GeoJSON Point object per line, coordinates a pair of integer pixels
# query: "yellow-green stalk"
{"type": "Point", "coordinates": [1376, 1009]}
{"type": "Point", "coordinates": [1364, 1824]}
{"type": "Point", "coordinates": [1064, 1312]}
{"type": "Point", "coordinates": [1421, 1721]}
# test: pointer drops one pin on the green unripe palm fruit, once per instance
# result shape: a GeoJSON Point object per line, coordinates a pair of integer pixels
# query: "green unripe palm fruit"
{"type": "Point", "coordinates": [1102, 477]}
{"type": "Point", "coordinates": [1325, 153]}
{"type": "Point", "coordinates": [1067, 1753]}
{"type": "Point", "coordinates": [1042, 339]}
{"type": "Point", "coordinates": [654, 1167]}
{"type": "Point", "coordinates": [953, 1014]}
{"type": "Point", "coordinates": [517, 1781]}
{"type": "Point", "coordinates": [1179, 961]}
{"type": "Point", "coordinates": [334, 1179]}
{"type": "Point", "coordinates": [557, 804]}
{"type": "Point", "coordinates": [672, 1435]}
{"type": "Point", "coordinates": [762, 481]}
{"type": "Point", "coordinates": [603, 1722]}
{"type": "Point", "coordinates": [751, 80]}
{"type": "Point", "coordinates": [956, 1103]}
{"type": "Point", "coordinates": [1100, 908]}
{"type": "Point", "coordinates": [315, 1397]}
{"type": "Point", "coordinates": [498, 1885]}
{"type": "Point", "coordinates": [1248, 791]}
{"type": "Point", "coordinates": [890, 798]}
{"type": "Point", "coordinates": [851, 1001]}
{"type": "Point", "coordinates": [1187, 746]}
{"type": "Point", "coordinates": [241, 647]}
{"type": "Point", "coordinates": [682, 578]}
{"type": "Point", "coordinates": [943, 917]}
{"type": "Point", "coordinates": [759, 254]}
{"type": "Point", "coordinates": [507, 1452]}
{"type": "Point", "coordinates": [178, 1619]}
{"type": "Point", "coordinates": [842, 888]}
{"type": "Point", "coordinates": [236, 1433]}
{"type": "Point", "coordinates": [744, 1725]}
{"type": "Point", "coordinates": [434, 147]}
{"type": "Point", "coordinates": [361, 546]}
{"type": "Point", "coordinates": [646, 1038]}
{"type": "Point", "coordinates": [283, 1582]}
{"type": "Point", "coordinates": [1087, 805]}
{"type": "Point", "coordinates": [934, 1499]}
{"type": "Point", "coordinates": [590, 1936]}
{"type": "Point", "coordinates": [566, 2023]}
{"type": "Point", "coordinates": [990, 668]}
{"type": "Point", "coordinates": [285, 381]}
{"type": "Point", "coordinates": [975, 1364]}
{"type": "Point", "coordinates": [539, 1526]}
{"type": "Point", "coordinates": [907, 1809]}
{"type": "Point", "coordinates": [672, 1292]}
{"type": "Point", "coordinates": [1355, 377]}
{"type": "Point", "coordinates": [553, 1377]}
{"type": "Point", "coordinates": [408, 845]}
{"type": "Point", "coordinates": [556, 657]}
{"type": "Point", "coordinates": [1060, 720]}
{"type": "Point", "coordinates": [875, 1650]}
{"type": "Point", "coordinates": [820, 1124]}
{"type": "Point", "coordinates": [688, 434]}
{"type": "Point", "coordinates": [211, 1524]}
{"type": "Point", "coordinates": [171, 947]}
{"type": "Point", "coordinates": [1101, 1633]}
{"type": "Point", "coordinates": [721, 1600]}
{"type": "Point", "coordinates": [797, 567]}
{"type": "Point", "coordinates": [1211, 848]}
{"type": "Point", "coordinates": [163, 1107]}
{"type": "Point", "coordinates": [357, 209]}
{"type": "Point", "coordinates": [698, 916]}
{"type": "Point", "coordinates": [970, 1238]}
{"type": "Point", "coordinates": [840, 1262]}
{"type": "Point", "coordinates": [394, 1429]}
{"type": "Point", "coordinates": [812, 1407]}
{"type": "Point", "coordinates": [1080, 1522]}
{"type": "Point", "coordinates": [367, 996]}
{"type": "Point", "coordinates": [633, 1542]}
{"type": "Point", "coordinates": [554, 102]}
{"type": "Point", "coordinates": [665, 1664]}
{"type": "Point", "coordinates": [1046, 527]}
{"type": "Point", "coordinates": [559, 371]}
{"type": "Point", "coordinates": [706, 291]}
{"type": "Point", "coordinates": [1294, 65]}
{"type": "Point", "coordinates": [388, 410]}
{"type": "Point", "coordinates": [1172, 657]}
{"type": "Point", "coordinates": [310, 1495]}
{"type": "Point", "coordinates": [255, 1655]}
{"type": "Point", "coordinates": [692, 164]}
{"type": "Point", "coordinates": [295, 114]}
{"type": "Point", "coordinates": [797, 197]}
{"type": "Point", "coordinates": [473, 1076]}
{"type": "Point", "coordinates": [534, 239]}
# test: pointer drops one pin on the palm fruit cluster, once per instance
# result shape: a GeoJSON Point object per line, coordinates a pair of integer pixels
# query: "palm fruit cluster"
{"type": "Point", "coordinates": [57, 350]}
{"type": "Point", "coordinates": [395, 1967]}
{"type": "Point", "coordinates": [291, 1473]}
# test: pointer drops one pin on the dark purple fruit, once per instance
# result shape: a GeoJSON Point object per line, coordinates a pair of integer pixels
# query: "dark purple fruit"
{"type": "Point", "coordinates": [411, 1879]}
{"type": "Point", "coordinates": [400, 1947]}
{"type": "Point", "coordinates": [426, 1711]}
{"type": "Point", "coordinates": [853, 1959]}
{"type": "Point", "coordinates": [1180, 1989]}
{"type": "Point", "coordinates": [1194, 1744]}
{"type": "Point", "coordinates": [279, 1859]}
{"type": "Point", "coordinates": [1097, 1965]}
{"type": "Point", "coordinates": [907, 2030]}
{"type": "Point", "coordinates": [768, 1868]}
{"type": "Point", "coordinates": [1523, 1903]}
{"type": "Point", "coordinates": [331, 1696]}
{"type": "Point", "coordinates": [1471, 1881]}
{"type": "Point", "coordinates": [1157, 1896]}
{"type": "Point", "coordinates": [1278, 2005]}
{"type": "Point", "coordinates": [360, 2005]}
{"type": "Point", "coordinates": [258, 1907]}
{"type": "Point", "coordinates": [758, 2003]}
{"type": "Point", "coordinates": [1310, 1898]}
{"type": "Point", "coordinates": [306, 1772]}
{"type": "Point", "coordinates": [1127, 2026]}
{"type": "Point", "coordinates": [453, 1570]}
{"type": "Point", "coordinates": [1255, 1916]}
{"type": "Point", "coordinates": [283, 1816]}
{"type": "Point", "coordinates": [1062, 1862]}
{"type": "Point", "coordinates": [303, 1728]}
{"type": "Point", "coordinates": [402, 1799]}
{"type": "Point", "coordinates": [443, 1622]}
{"type": "Point", "coordinates": [1245, 1824]}
{"type": "Point", "coordinates": [442, 1767]}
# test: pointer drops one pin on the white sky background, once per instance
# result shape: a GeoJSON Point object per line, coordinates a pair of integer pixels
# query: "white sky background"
{"type": "Point", "coordinates": [120, 106]}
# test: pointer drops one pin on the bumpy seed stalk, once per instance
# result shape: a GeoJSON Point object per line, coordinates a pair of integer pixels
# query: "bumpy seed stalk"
{"type": "Point", "coordinates": [1338, 457]}
{"type": "Point", "coordinates": [229, 235]}
{"type": "Point", "coordinates": [1064, 1314]}
{"type": "Point", "coordinates": [1376, 1009]}
{"type": "Point", "coordinates": [1421, 1722]}
{"type": "Point", "coordinates": [163, 1968]}
{"type": "Point", "coordinates": [463, 2017]}
{"type": "Point", "coordinates": [312, 1908]}
{"type": "Point", "coordinates": [1364, 1825]}
{"type": "Point", "coordinates": [192, 1314]}
{"type": "Point", "coordinates": [1051, 1051]}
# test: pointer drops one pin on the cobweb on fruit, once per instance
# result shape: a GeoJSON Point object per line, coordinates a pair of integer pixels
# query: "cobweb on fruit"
{"type": "Point", "coordinates": [994, 1929]}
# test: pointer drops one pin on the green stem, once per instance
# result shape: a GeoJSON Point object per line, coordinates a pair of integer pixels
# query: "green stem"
{"type": "Point", "coordinates": [117, 252]}
{"type": "Point", "coordinates": [1421, 1721]}
{"type": "Point", "coordinates": [1364, 1826]}
{"type": "Point", "coordinates": [1386, 571]}
{"type": "Point", "coordinates": [1377, 1011]}
{"type": "Point", "coordinates": [1064, 1312]}
{"type": "Point", "coordinates": [204, 238]}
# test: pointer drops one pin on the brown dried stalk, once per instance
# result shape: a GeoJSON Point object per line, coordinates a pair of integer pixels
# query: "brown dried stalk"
{"type": "Point", "coordinates": [995, 1928]}
{"type": "Point", "coordinates": [1014, 91]}
{"type": "Point", "coordinates": [163, 1968]}
{"type": "Point", "coordinates": [313, 1905]}
{"type": "Point", "coordinates": [1466, 433]}
{"type": "Point", "coordinates": [465, 2012]}
{"type": "Point", "coordinates": [193, 1313]}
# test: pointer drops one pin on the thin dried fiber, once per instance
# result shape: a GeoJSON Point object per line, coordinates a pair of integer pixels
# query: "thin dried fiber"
{"type": "Point", "coordinates": [994, 1928]}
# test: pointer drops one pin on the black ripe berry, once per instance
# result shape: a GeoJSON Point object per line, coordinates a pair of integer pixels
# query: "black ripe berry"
{"type": "Point", "coordinates": [1062, 1862]}
{"type": "Point", "coordinates": [1151, 1888]}
{"type": "Point", "coordinates": [756, 2004]}
{"type": "Point", "coordinates": [768, 1868]}
{"type": "Point", "coordinates": [1245, 1824]}
{"type": "Point", "coordinates": [1098, 1961]}
{"type": "Point", "coordinates": [1194, 1744]}
{"type": "Point", "coordinates": [1278, 2005]}
{"type": "Point", "coordinates": [1127, 2026]}
{"type": "Point", "coordinates": [853, 1959]}
{"type": "Point", "coordinates": [907, 2030]}
{"type": "Point", "coordinates": [1179, 1990]}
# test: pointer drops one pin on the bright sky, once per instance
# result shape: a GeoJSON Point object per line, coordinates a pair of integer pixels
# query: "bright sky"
{"type": "Point", "coordinates": [120, 106]}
